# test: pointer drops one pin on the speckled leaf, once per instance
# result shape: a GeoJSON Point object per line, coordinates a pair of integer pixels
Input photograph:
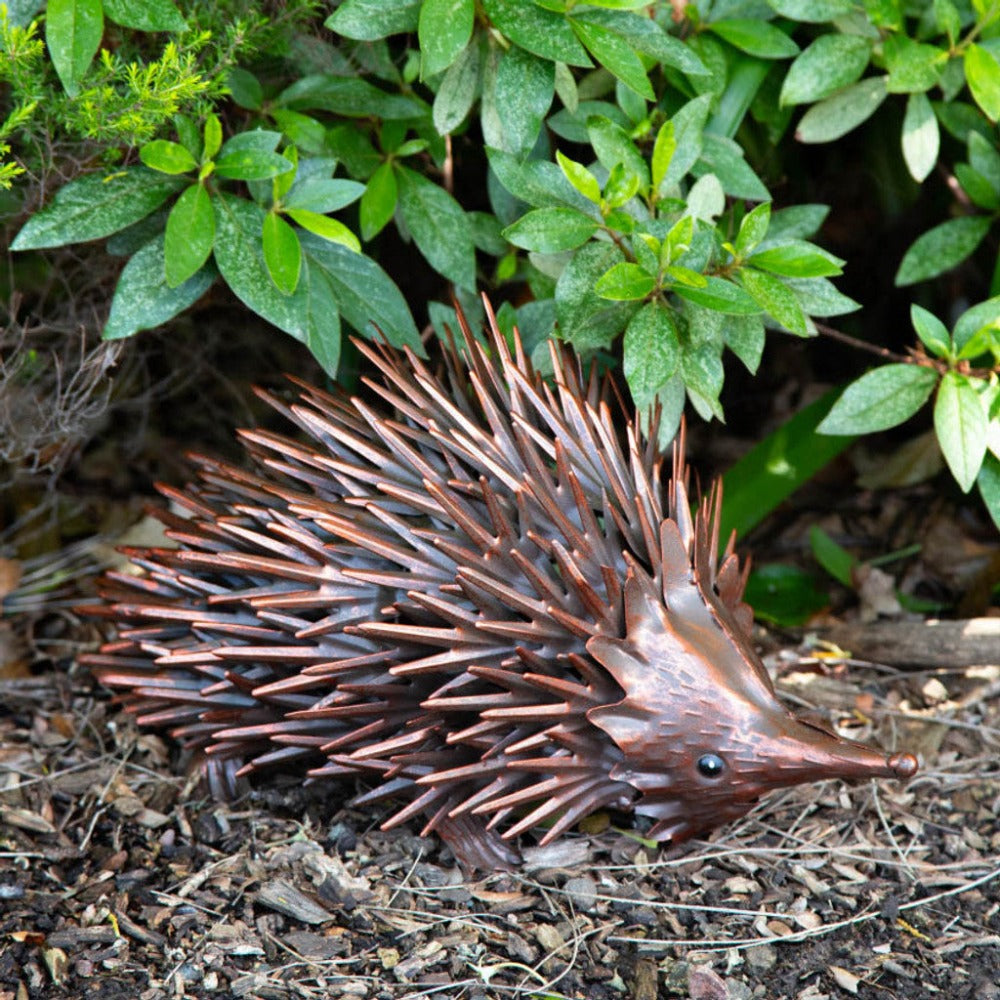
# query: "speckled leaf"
{"type": "Point", "coordinates": [444, 29]}
{"type": "Point", "coordinates": [921, 137]}
{"type": "Point", "coordinates": [585, 319]}
{"type": "Point", "coordinates": [827, 64]}
{"type": "Point", "coordinates": [366, 296]}
{"type": "Point", "coordinates": [544, 32]}
{"type": "Point", "coordinates": [616, 55]}
{"type": "Point", "coordinates": [757, 38]}
{"type": "Point", "coordinates": [145, 15]}
{"type": "Point", "coordinates": [369, 20]}
{"type": "Point", "coordinates": [844, 111]}
{"type": "Point", "coordinates": [458, 90]}
{"type": "Point", "coordinates": [776, 298]}
{"type": "Point", "coordinates": [549, 230]}
{"type": "Point", "coordinates": [95, 206]}
{"type": "Point", "coordinates": [523, 90]}
{"type": "Point", "coordinates": [942, 248]}
{"type": "Point", "coordinates": [143, 300]}
{"type": "Point", "coordinates": [960, 425]}
{"type": "Point", "coordinates": [239, 254]}
{"type": "Point", "coordinates": [650, 351]}
{"type": "Point", "coordinates": [438, 225]}
{"type": "Point", "coordinates": [884, 397]}
{"type": "Point", "coordinates": [73, 30]}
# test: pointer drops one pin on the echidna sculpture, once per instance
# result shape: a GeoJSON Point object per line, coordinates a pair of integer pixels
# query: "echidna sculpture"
{"type": "Point", "coordinates": [475, 590]}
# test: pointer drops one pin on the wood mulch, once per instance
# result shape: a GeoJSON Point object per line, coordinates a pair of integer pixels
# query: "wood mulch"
{"type": "Point", "coordinates": [119, 879]}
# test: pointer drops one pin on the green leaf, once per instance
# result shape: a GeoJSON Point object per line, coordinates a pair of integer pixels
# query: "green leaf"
{"type": "Point", "coordinates": [438, 225]}
{"type": "Point", "coordinates": [239, 254]}
{"type": "Point", "coordinates": [706, 199]}
{"type": "Point", "coordinates": [721, 295]}
{"type": "Point", "coordinates": [613, 145]}
{"type": "Point", "coordinates": [650, 351]}
{"type": "Point", "coordinates": [960, 424]}
{"type": "Point", "coordinates": [544, 32]}
{"type": "Point", "coordinates": [797, 221]}
{"type": "Point", "coordinates": [834, 558]}
{"type": "Point", "coordinates": [784, 595]}
{"type": "Point", "coordinates": [844, 111]}
{"type": "Point", "coordinates": [921, 137]}
{"type": "Point", "coordinates": [94, 206]}
{"type": "Point", "coordinates": [251, 164]}
{"type": "Point", "coordinates": [776, 298]}
{"type": "Point", "coordinates": [378, 203]}
{"type": "Point", "coordinates": [989, 486]}
{"type": "Point", "coordinates": [585, 319]}
{"type": "Point", "coordinates": [145, 15]}
{"type": "Point", "coordinates": [308, 133]}
{"type": "Point", "coordinates": [797, 259]}
{"type": "Point", "coordinates": [829, 63]}
{"type": "Point", "coordinates": [616, 55]}
{"type": "Point", "coordinates": [819, 297]}
{"type": "Point", "coordinates": [724, 158]}
{"type": "Point", "coordinates": [758, 38]}
{"type": "Point", "coordinates": [644, 35]}
{"type": "Point", "coordinates": [255, 139]}
{"type": "Point", "coordinates": [245, 89]}
{"type": "Point", "coordinates": [979, 315]}
{"type": "Point", "coordinates": [523, 90]}
{"type": "Point", "coordinates": [366, 296]}
{"type": "Point", "coordinates": [323, 194]}
{"type": "Point", "coordinates": [942, 248]}
{"type": "Point", "coordinates": [324, 226]}
{"type": "Point", "coordinates": [167, 157]}
{"type": "Point", "coordinates": [282, 252]}
{"type": "Point", "coordinates": [73, 30]}
{"type": "Point", "coordinates": [982, 72]}
{"type": "Point", "coordinates": [753, 229]}
{"type": "Point", "coordinates": [458, 90]}
{"type": "Point", "coordinates": [580, 177]}
{"type": "Point", "coordinates": [212, 136]}
{"type": "Point", "coordinates": [913, 66]}
{"type": "Point", "coordinates": [189, 236]}
{"type": "Point", "coordinates": [625, 282]}
{"type": "Point", "coordinates": [663, 152]}
{"type": "Point", "coordinates": [688, 134]}
{"type": "Point", "coordinates": [812, 11]}
{"type": "Point", "coordinates": [349, 96]}
{"type": "Point", "coordinates": [931, 331]}
{"type": "Point", "coordinates": [538, 182]}
{"type": "Point", "coordinates": [980, 191]}
{"type": "Point", "coordinates": [142, 298]}
{"type": "Point", "coordinates": [444, 29]}
{"type": "Point", "coordinates": [745, 336]}
{"type": "Point", "coordinates": [550, 230]}
{"type": "Point", "coordinates": [323, 335]}
{"type": "Point", "coordinates": [370, 20]}
{"type": "Point", "coordinates": [703, 374]}
{"type": "Point", "coordinates": [983, 156]}
{"type": "Point", "coordinates": [883, 397]}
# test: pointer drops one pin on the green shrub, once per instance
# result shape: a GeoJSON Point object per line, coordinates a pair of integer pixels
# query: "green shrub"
{"type": "Point", "coordinates": [611, 157]}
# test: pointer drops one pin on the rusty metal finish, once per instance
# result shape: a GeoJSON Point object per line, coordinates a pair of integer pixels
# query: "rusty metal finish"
{"type": "Point", "coordinates": [475, 589]}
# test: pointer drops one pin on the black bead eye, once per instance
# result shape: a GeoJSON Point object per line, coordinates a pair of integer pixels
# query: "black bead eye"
{"type": "Point", "coordinates": [711, 765]}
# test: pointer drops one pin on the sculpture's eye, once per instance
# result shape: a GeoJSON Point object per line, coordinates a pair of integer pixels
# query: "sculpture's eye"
{"type": "Point", "coordinates": [711, 765]}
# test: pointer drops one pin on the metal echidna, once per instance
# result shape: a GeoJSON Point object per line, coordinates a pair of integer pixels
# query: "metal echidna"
{"type": "Point", "coordinates": [481, 596]}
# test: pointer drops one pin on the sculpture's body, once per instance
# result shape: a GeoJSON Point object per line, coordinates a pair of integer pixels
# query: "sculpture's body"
{"type": "Point", "coordinates": [478, 596]}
